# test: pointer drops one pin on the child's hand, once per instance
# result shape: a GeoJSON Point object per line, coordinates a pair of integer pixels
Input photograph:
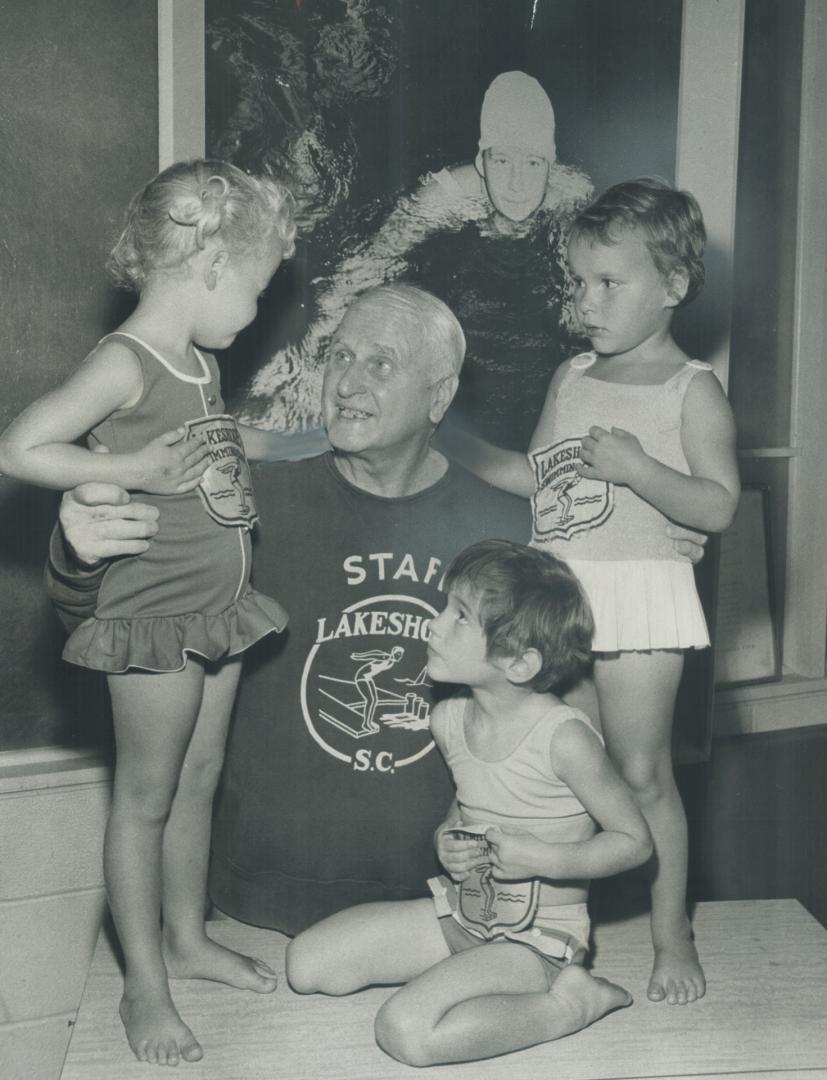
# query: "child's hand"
{"type": "Point", "coordinates": [169, 464]}
{"type": "Point", "coordinates": [614, 455]}
{"type": "Point", "coordinates": [457, 856]}
{"type": "Point", "coordinates": [515, 853]}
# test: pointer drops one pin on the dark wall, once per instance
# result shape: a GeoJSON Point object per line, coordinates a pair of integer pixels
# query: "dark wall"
{"type": "Point", "coordinates": [758, 819]}
{"type": "Point", "coordinates": [757, 814]}
{"type": "Point", "coordinates": [79, 133]}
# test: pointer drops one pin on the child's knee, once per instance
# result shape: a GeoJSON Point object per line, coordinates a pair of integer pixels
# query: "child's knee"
{"type": "Point", "coordinates": [146, 800]}
{"type": "Point", "coordinates": [399, 1033]}
{"type": "Point", "coordinates": [649, 779]}
{"type": "Point", "coordinates": [312, 968]}
{"type": "Point", "coordinates": [301, 967]}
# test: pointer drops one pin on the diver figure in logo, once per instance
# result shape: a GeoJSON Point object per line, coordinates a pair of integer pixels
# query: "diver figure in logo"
{"type": "Point", "coordinates": [377, 662]}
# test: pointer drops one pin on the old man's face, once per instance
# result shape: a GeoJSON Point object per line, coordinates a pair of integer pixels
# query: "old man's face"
{"type": "Point", "coordinates": [378, 394]}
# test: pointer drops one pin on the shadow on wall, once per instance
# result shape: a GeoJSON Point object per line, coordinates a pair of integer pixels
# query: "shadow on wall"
{"type": "Point", "coordinates": [42, 699]}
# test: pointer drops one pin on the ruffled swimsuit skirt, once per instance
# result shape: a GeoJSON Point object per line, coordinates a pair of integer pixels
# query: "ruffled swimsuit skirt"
{"type": "Point", "coordinates": [189, 593]}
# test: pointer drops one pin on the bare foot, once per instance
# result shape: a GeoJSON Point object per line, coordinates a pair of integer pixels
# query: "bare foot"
{"type": "Point", "coordinates": [677, 975]}
{"type": "Point", "coordinates": [156, 1032]}
{"type": "Point", "coordinates": [586, 997]}
{"type": "Point", "coordinates": [206, 959]}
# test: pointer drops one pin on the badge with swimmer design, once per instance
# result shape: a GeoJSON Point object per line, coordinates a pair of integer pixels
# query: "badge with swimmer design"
{"type": "Point", "coordinates": [565, 503]}
{"type": "Point", "coordinates": [489, 907]}
{"type": "Point", "coordinates": [226, 488]}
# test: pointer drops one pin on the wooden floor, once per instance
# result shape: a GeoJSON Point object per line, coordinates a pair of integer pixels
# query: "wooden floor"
{"type": "Point", "coordinates": [764, 1016]}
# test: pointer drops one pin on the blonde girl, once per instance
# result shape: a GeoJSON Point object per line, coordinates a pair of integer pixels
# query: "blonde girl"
{"type": "Point", "coordinates": [201, 242]}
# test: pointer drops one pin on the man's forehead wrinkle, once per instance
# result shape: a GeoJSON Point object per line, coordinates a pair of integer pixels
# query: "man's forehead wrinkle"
{"type": "Point", "coordinates": [389, 346]}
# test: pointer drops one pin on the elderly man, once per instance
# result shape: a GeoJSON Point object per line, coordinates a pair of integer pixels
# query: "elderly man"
{"type": "Point", "coordinates": [332, 785]}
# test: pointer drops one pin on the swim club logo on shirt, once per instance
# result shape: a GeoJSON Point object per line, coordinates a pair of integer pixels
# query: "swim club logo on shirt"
{"type": "Point", "coordinates": [564, 503]}
{"type": "Point", "coordinates": [226, 488]}
{"type": "Point", "coordinates": [365, 693]}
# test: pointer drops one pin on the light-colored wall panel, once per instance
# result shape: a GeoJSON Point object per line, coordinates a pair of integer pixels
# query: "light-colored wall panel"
{"type": "Point", "coordinates": [46, 945]}
{"type": "Point", "coordinates": [707, 155]}
{"type": "Point", "coordinates": [35, 1050]}
{"type": "Point", "coordinates": [180, 80]}
{"type": "Point", "coordinates": [52, 840]}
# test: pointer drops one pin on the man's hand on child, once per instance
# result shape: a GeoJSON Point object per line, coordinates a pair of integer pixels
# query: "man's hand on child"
{"type": "Point", "coordinates": [613, 455]}
{"type": "Point", "coordinates": [688, 542]}
{"type": "Point", "coordinates": [170, 464]}
{"type": "Point", "coordinates": [99, 521]}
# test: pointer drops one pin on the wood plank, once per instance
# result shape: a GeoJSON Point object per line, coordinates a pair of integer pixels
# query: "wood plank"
{"type": "Point", "coordinates": [764, 1014]}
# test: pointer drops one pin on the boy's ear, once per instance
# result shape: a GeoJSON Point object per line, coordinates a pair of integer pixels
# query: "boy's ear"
{"type": "Point", "coordinates": [214, 266]}
{"type": "Point", "coordinates": [521, 669]}
{"type": "Point", "coordinates": [676, 286]}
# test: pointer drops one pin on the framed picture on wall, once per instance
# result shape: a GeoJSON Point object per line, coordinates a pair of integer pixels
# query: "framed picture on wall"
{"type": "Point", "coordinates": [377, 116]}
{"type": "Point", "coordinates": [746, 628]}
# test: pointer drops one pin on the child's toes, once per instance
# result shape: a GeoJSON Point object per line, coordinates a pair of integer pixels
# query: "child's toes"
{"type": "Point", "coordinates": [169, 1053]}
{"type": "Point", "coordinates": [262, 968]}
{"type": "Point", "coordinates": [191, 1051]}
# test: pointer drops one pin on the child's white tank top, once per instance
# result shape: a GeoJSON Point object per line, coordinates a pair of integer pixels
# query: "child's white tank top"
{"type": "Point", "coordinates": [641, 590]}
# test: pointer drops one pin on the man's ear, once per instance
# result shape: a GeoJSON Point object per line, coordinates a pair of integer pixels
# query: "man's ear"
{"type": "Point", "coordinates": [442, 395]}
{"type": "Point", "coordinates": [521, 669]}
{"type": "Point", "coordinates": [215, 264]}
{"type": "Point", "coordinates": [676, 286]}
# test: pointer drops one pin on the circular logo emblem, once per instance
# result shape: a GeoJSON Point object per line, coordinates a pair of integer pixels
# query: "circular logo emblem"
{"type": "Point", "coordinates": [365, 693]}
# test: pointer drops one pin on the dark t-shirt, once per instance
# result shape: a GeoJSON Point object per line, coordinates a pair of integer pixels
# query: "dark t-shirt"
{"type": "Point", "coordinates": [332, 785]}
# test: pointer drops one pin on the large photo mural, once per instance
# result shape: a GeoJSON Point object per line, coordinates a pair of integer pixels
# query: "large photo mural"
{"type": "Point", "coordinates": [387, 120]}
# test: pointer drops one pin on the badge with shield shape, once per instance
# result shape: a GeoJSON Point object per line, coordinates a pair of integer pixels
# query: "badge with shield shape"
{"type": "Point", "coordinates": [565, 503]}
{"type": "Point", "coordinates": [226, 488]}
{"type": "Point", "coordinates": [490, 907]}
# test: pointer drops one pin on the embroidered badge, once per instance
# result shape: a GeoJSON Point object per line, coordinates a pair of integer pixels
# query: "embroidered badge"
{"type": "Point", "coordinates": [489, 907]}
{"type": "Point", "coordinates": [226, 487]}
{"type": "Point", "coordinates": [564, 503]}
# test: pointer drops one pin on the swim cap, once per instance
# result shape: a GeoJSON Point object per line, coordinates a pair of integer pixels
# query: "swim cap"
{"type": "Point", "coordinates": [516, 111]}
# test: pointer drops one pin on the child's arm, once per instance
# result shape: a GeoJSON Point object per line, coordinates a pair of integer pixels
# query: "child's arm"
{"type": "Point", "coordinates": [579, 759]}
{"type": "Point", "coordinates": [706, 499]}
{"type": "Point", "coordinates": [506, 469]}
{"type": "Point", "coordinates": [38, 447]}
{"type": "Point", "coordinates": [457, 856]}
{"type": "Point", "coordinates": [261, 445]}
